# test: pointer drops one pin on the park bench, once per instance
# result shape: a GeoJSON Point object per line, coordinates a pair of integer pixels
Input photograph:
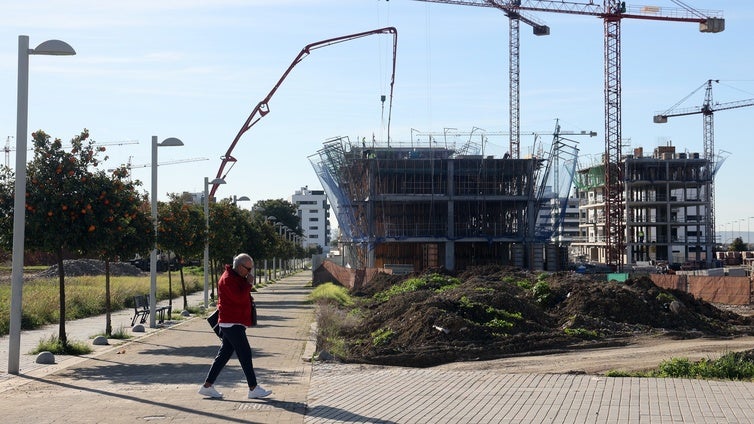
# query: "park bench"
{"type": "Point", "coordinates": [141, 310]}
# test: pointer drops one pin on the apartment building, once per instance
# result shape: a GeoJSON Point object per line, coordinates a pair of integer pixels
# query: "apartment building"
{"type": "Point", "coordinates": [669, 214]}
{"type": "Point", "coordinates": [314, 212]}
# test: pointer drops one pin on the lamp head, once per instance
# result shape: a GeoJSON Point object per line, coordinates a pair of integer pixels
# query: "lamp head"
{"type": "Point", "coordinates": [172, 141]}
{"type": "Point", "coordinates": [54, 48]}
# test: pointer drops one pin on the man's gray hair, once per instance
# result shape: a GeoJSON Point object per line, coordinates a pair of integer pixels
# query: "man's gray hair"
{"type": "Point", "coordinates": [242, 258]}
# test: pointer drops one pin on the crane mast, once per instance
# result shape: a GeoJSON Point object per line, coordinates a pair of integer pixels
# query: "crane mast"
{"type": "Point", "coordinates": [514, 71]}
{"type": "Point", "coordinates": [707, 110]}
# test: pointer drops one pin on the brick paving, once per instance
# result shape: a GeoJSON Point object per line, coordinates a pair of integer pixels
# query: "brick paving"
{"type": "Point", "coordinates": [154, 377]}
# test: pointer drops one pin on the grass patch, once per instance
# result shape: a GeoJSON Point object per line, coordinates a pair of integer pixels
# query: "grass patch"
{"type": "Point", "coordinates": [330, 292]}
{"type": "Point", "coordinates": [85, 297]}
{"type": "Point", "coordinates": [120, 333]}
{"type": "Point", "coordinates": [582, 333]}
{"type": "Point", "coordinates": [382, 336]}
{"type": "Point", "coordinates": [437, 282]}
{"type": "Point", "coordinates": [730, 366]}
{"type": "Point", "coordinates": [331, 320]}
{"type": "Point", "coordinates": [56, 347]}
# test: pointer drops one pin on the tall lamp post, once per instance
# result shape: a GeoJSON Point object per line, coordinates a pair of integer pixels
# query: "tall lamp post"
{"type": "Point", "coordinates": [50, 48]}
{"type": "Point", "coordinates": [168, 142]}
{"type": "Point", "coordinates": [206, 243]}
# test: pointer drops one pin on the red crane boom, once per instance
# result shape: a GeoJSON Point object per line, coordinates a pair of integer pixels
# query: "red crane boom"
{"type": "Point", "coordinates": [262, 108]}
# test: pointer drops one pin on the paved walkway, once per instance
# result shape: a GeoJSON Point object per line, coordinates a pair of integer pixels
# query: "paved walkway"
{"type": "Point", "coordinates": [155, 377]}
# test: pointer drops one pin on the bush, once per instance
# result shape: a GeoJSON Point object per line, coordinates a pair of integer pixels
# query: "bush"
{"type": "Point", "coordinates": [55, 346]}
{"type": "Point", "coordinates": [329, 292]}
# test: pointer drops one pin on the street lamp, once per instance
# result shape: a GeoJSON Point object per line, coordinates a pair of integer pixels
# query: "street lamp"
{"type": "Point", "coordinates": [240, 199]}
{"type": "Point", "coordinates": [206, 243]}
{"type": "Point", "coordinates": [50, 48]}
{"type": "Point", "coordinates": [168, 142]}
{"type": "Point", "coordinates": [739, 228]}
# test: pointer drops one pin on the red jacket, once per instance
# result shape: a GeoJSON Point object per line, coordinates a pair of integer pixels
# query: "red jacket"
{"type": "Point", "coordinates": [233, 298]}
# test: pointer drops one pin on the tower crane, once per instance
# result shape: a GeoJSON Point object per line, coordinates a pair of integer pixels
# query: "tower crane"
{"type": "Point", "coordinates": [707, 109]}
{"type": "Point", "coordinates": [8, 149]}
{"type": "Point", "coordinates": [171, 162]}
{"type": "Point", "coordinates": [612, 12]}
{"type": "Point", "coordinates": [514, 74]}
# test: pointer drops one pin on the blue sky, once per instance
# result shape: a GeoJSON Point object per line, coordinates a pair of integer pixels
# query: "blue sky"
{"type": "Point", "coordinates": [195, 69]}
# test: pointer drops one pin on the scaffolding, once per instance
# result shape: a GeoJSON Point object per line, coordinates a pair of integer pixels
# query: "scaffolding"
{"type": "Point", "coordinates": [428, 206]}
{"type": "Point", "coordinates": [667, 208]}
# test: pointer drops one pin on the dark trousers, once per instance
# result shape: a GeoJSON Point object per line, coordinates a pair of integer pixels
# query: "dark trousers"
{"type": "Point", "coordinates": [234, 340]}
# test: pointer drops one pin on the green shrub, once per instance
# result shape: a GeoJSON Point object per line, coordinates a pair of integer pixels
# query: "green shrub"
{"type": "Point", "coordinates": [56, 346]}
{"type": "Point", "coordinates": [381, 336]}
{"type": "Point", "coordinates": [329, 292]}
{"type": "Point", "coordinates": [582, 333]}
{"type": "Point", "coordinates": [437, 282]}
{"type": "Point", "coordinates": [542, 292]}
{"type": "Point", "coordinates": [665, 297]}
{"type": "Point", "coordinates": [675, 368]}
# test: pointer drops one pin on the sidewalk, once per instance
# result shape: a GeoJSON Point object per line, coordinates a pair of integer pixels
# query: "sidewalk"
{"type": "Point", "coordinates": [155, 378]}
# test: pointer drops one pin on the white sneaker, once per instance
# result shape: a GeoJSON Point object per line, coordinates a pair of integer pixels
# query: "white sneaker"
{"type": "Point", "coordinates": [209, 392]}
{"type": "Point", "coordinates": [259, 392]}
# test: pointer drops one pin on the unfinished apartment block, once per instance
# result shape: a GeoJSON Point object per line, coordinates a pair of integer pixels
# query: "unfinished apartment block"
{"type": "Point", "coordinates": [420, 207]}
{"type": "Point", "coordinates": [668, 215]}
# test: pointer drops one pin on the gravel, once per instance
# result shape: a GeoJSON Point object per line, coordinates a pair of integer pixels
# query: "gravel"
{"type": "Point", "coordinates": [80, 267]}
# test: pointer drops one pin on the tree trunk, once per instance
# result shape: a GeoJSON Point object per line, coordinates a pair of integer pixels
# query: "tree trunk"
{"type": "Point", "coordinates": [212, 276]}
{"type": "Point", "coordinates": [108, 318]}
{"type": "Point", "coordinates": [170, 289]}
{"type": "Point", "coordinates": [183, 289]}
{"type": "Point", "coordinates": [61, 284]}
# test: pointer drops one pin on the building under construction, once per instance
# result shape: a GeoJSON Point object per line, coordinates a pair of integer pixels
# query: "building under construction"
{"type": "Point", "coordinates": [668, 214]}
{"type": "Point", "coordinates": [417, 207]}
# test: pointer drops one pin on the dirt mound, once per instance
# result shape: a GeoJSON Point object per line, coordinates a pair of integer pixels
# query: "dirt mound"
{"type": "Point", "coordinates": [492, 312]}
{"type": "Point", "coordinates": [80, 267]}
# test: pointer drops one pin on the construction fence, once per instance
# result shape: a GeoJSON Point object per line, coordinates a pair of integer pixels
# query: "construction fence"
{"type": "Point", "coordinates": [718, 289]}
{"type": "Point", "coordinates": [352, 279]}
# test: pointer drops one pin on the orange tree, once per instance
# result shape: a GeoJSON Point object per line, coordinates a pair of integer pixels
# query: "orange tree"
{"type": "Point", "coordinates": [126, 228]}
{"type": "Point", "coordinates": [225, 237]}
{"type": "Point", "coordinates": [66, 203]}
{"type": "Point", "coordinates": [181, 230]}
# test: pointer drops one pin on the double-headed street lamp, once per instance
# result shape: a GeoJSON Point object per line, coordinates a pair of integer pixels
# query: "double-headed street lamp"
{"type": "Point", "coordinates": [49, 48]}
{"type": "Point", "coordinates": [216, 181]}
{"type": "Point", "coordinates": [168, 142]}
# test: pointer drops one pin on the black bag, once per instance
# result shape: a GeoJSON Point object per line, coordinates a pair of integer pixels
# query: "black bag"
{"type": "Point", "coordinates": [212, 320]}
{"type": "Point", "coordinates": [253, 312]}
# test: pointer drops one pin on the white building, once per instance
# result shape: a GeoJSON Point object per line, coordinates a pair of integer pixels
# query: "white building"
{"type": "Point", "coordinates": [314, 212]}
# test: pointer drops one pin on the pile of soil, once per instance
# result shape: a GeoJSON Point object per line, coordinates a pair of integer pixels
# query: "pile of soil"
{"type": "Point", "coordinates": [82, 267]}
{"type": "Point", "coordinates": [493, 312]}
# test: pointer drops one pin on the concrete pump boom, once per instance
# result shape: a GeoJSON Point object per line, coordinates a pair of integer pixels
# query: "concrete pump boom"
{"type": "Point", "coordinates": [262, 108]}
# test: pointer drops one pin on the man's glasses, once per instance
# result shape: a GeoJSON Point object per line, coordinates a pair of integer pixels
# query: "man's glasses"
{"type": "Point", "coordinates": [247, 268]}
